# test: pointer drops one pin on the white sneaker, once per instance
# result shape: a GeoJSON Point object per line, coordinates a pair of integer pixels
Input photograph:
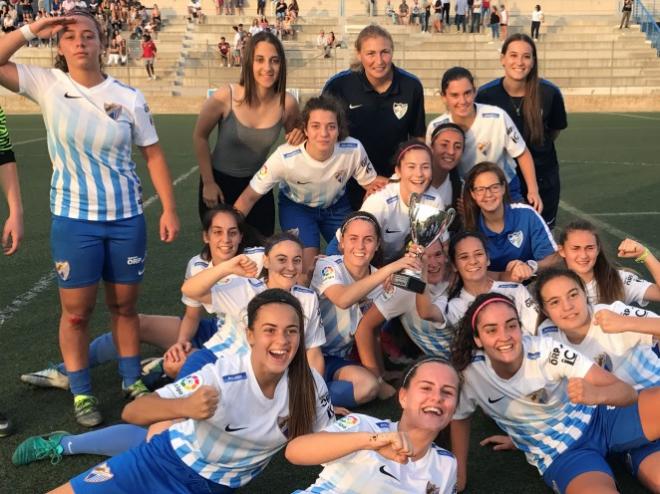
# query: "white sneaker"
{"type": "Point", "coordinates": [47, 378]}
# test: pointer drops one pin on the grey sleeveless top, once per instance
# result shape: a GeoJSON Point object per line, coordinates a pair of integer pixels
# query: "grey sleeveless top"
{"type": "Point", "coordinates": [240, 151]}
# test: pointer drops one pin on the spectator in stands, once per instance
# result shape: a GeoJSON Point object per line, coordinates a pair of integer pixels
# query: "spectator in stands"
{"type": "Point", "coordinates": [626, 11]}
{"type": "Point", "coordinates": [224, 48]}
{"type": "Point", "coordinates": [218, 6]}
{"type": "Point", "coordinates": [485, 12]}
{"type": "Point", "coordinates": [149, 55]}
{"type": "Point", "coordinates": [261, 7]}
{"type": "Point", "coordinates": [476, 17]}
{"type": "Point", "coordinates": [280, 10]}
{"type": "Point", "coordinates": [255, 27]}
{"type": "Point", "coordinates": [391, 13]}
{"type": "Point", "coordinates": [286, 30]}
{"type": "Point", "coordinates": [415, 12]}
{"type": "Point", "coordinates": [446, 7]}
{"type": "Point", "coordinates": [240, 4]}
{"type": "Point", "coordinates": [404, 12]}
{"type": "Point", "coordinates": [321, 41]}
{"type": "Point", "coordinates": [495, 24]}
{"type": "Point", "coordinates": [426, 16]}
{"type": "Point", "coordinates": [504, 21]}
{"type": "Point", "coordinates": [437, 16]}
{"type": "Point", "coordinates": [113, 50]}
{"type": "Point", "coordinates": [156, 17]}
{"type": "Point", "coordinates": [123, 49]}
{"type": "Point", "coordinates": [195, 13]}
{"type": "Point", "coordinates": [537, 19]}
{"type": "Point", "coordinates": [236, 47]}
{"type": "Point", "coordinates": [330, 42]}
{"type": "Point", "coordinates": [67, 5]}
{"type": "Point", "coordinates": [378, 92]}
{"type": "Point", "coordinates": [250, 116]}
{"type": "Point", "coordinates": [536, 106]}
{"type": "Point", "coordinates": [294, 10]}
{"type": "Point", "coordinates": [461, 14]}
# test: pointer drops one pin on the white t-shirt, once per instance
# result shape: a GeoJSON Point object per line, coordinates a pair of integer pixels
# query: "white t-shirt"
{"type": "Point", "coordinates": [629, 356]}
{"type": "Point", "coordinates": [634, 289]}
{"type": "Point", "coordinates": [367, 471]}
{"type": "Point", "coordinates": [230, 298]}
{"type": "Point", "coordinates": [317, 184]}
{"type": "Point", "coordinates": [432, 338]}
{"type": "Point", "coordinates": [90, 133]}
{"type": "Point", "coordinates": [524, 302]}
{"type": "Point", "coordinates": [393, 216]}
{"type": "Point", "coordinates": [237, 442]}
{"type": "Point", "coordinates": [532, 407]}
{"type": "Point", "coordinates": [340, 324]}
{"type": "Point", "coordinates": [492, 137]}
{"type": "Point", "coordinates": [537, 16]}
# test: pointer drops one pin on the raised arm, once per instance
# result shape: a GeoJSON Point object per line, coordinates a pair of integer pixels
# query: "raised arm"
{"type": "Point", "coordinates": [611, 322]}
{"type": "Point", "coordinates": [198, 287]}
{"type": "Point", "coordinates": [599, 387]}
{"type": "Point", "coordinates": [152, 408]}
{"type": "Point", "coordinates": [631, 249]}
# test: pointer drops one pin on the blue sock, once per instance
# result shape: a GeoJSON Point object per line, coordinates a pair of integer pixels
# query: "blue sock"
{"type": "Point", "coordinates": [109, 441]}
{"type": "Point", "coordinates": [101, 350]}
{"type": "Point", "coordinates": [341, 394]}
{"type": "Point", "coordinates": [80, 382]}
{"type": "Point", "coordinates": [129, 369]}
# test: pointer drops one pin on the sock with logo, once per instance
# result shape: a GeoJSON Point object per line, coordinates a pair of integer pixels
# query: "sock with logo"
{"type": "Point", "coordinates": [341, 394]}
{"type": "Point", "coordinates": [109, 441]}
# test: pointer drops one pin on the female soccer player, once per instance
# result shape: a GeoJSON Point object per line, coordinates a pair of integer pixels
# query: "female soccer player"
{"type": "Point", "coordinates": [432, 338]}
{"type": "Point", "coordinates": [390, 205]}
{"type": "Point", "coordinates": [218, 447]}
{"type": "Point", "coordinates": [249, 116]}
{"type": "Point", "coordinates": [447, 144]}
{"type": "Point", "coordinates": [92, 121]}
{"type": "Point", "coordinates": [536, 106]}
{"type": "Point", "coordinates": [582, 250]}
{"type": "Point", "coordinates": [347, 286]}
{"type": "Point", "coordinates": [389, 457]}
{"type": "Point", "coordinates": [468, 253]}
{"type": "Point", "coordinates": [490, 135]}
{"type": "Point", "coordinates": [224, 236]}
{"type": "Point", "coordinates": [518, 240]}
{"type": "Point", "coordinates": [312, 177]}
{"type": "Point", "coordinates": [522, 382]}
{"type": "Point", "coordinates": [385, 103]}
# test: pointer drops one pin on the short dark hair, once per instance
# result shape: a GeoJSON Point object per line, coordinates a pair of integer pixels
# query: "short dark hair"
{"type": "Point", "coordinates": [328, 103]}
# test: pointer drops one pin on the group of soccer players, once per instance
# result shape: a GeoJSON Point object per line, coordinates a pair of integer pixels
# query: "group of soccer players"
{"type": "Point", "coordinates": [276, 337]}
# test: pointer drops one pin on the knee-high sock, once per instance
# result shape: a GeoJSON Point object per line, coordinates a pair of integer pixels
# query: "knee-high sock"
{"type": "Point", "coordinates": [101, 350]}
{"type": "Point", "coordinates": [341, 394]}
{"type": "Point", "coordinates": [109, 441]}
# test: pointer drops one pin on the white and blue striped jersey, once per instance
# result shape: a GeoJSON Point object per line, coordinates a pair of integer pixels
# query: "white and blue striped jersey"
{"type": "Point", "coordinates": [197, 264]}
{"type": "Point", "coordinates": [247, 429]}
{"type": "Point", "coordinates": [90, 133]}
{"type": "Point", "coordinates": [317, 184]}
{"type": "Point", "coordinates": [367, 471]}
{"type": "Point", "coordinates": [632, 357]}
{"type": "Point", "coordinates": [230, 298]}
{"type": "Point", "coordinates": [340, 324]}
{"type": "Point", "coordinates": [532, 407]}
{"type": "Point", "coordinates": [634, 289]}
{"type": "Point", "coordinates": [432, 338]}
{"type": "Point", "coordinates": [493, 136]}
{"type": "Point", "coordinates": [393, 216]}
{"type": "Point", "coordinates": [524, 302]}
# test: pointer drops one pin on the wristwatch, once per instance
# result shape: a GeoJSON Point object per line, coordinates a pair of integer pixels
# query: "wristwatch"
{"type": "Point", "coordinates": [534, 265]}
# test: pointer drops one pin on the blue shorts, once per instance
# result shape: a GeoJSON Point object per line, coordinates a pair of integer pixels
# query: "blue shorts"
{"type": "Point", "coordinates": [207, 327]}
{"type": "Point", "coordinates": [333, 364]}
{"type": "Point", "coordinates": [611, 430]}
{"type": "Point", "coordinates": [515, 192]}
{"type": "Point", "coordinates": [309, 222]}
{"type": "Point", "coordinates": [197, 360]}
{"type": "Point", "coordinates": [85, 252]}
{"type": "Point", "coordinates": [150, 467]}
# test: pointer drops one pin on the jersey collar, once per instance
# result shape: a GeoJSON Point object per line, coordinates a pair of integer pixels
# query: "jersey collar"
{"type": "Point", "coordinates": [393, 89]}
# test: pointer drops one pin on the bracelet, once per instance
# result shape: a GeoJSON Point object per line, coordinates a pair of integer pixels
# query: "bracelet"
{"type": "Point", "coordinates": [27, 32]}
{"type": "Point", "coordinates": [642, 258]}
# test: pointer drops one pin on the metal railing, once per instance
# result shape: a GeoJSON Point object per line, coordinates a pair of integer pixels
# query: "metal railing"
{"type": "Point", "coordinates": [647, 23]}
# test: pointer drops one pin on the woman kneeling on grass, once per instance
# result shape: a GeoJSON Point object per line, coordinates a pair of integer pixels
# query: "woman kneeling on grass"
{"type": "Point", "coordinates": [562, 410]}
{"type": "Point", "coordinates": [389, 457]}
{"type": "Point", "coordinates": [218, 447]}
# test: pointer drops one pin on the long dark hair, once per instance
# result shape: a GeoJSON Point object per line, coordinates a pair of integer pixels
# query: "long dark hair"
{"type": "Point", "coordinates": [471, 209]}
{"type": "Point", "coordinates": [328, 103]}
{"type": "Point", "coordinates": [463, 346]}
{"type": "Point", "coordinates": [302, 388]}
{"type": "Point", "coordinates": [451, 252]}
{"type": "Point", "coordinates": [531, 104]}
{"type": "Point", "coordinates": [247, 73]}
{"type": "Point", "coordinates": [60, 61]}
{"type": "Point", "coordinates": [547, 275]}
{"type": "Point", "coordinates": [609, 287]}
{"type": "Point", "coordinates": [370, 218]}
{"type": "Point", "coordinates": [250, 237]}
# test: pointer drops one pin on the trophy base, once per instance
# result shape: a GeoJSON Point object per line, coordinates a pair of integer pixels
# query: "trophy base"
{"type": "Point", "coordinates": [408, 282]}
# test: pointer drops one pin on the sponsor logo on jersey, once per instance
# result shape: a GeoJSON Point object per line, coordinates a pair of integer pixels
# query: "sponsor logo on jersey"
{"type": "Point", "coordinates": [146, 108]}
{"type": "Point", "coordinates": [431, 488]}
{"type": "Point", "coordinates": [327, 273]}
{"type": "Point", "coordinates": [516, 238]}
{"type": "Point", "coordinates": [71, 96]}
{"type": "Point", "coordinates": [230, 378]}
{"type": "Point", "coordinates": [384, 471]}
{"type": "Point", "coordinates": [478, 358]}
{"type": "Point", "coordinates": [533, 355]}
{"type": "Point", "coordinates": [400, 109]}
{"type": "Point", "coordinates": [229, 428]}
{"type": "Point", "coordinates": [255, 282]}
{"type": "Point", "coordinates": [550, 329]}
{"type": "Point", "coordinates": [283, 425]}
{"type": "Point", "coordinates": [347, 422]}
{"type": "Point", "coordinates": [383, 425]}
{"type": "Point", "coordinates": [302, 289]}
{"type": "Point", "coordinates": [509, 285]}
{"type": "Point", "coordinates": [263, 171]}
{"type": "Point", "coordinates": [603, 360]}
{"type": "Point", "coordinates": [353, 107]}
{"type": "Point", "coordinates": [132, 260]}
{"type": "Point", "coordinates": [483, 147]}
{"type": "Point", "coordinates": [100, 473]}
{"type": "Point", "coordinates": [538, 396]}
{"type": "Point", "coordinates": [392, 199]}
{"type": "Point", "coordinates": [348, 145]}
{"type": "Point", "coordinates": [387, 230]}
{"type": "Point", "coordinates": [513, 134]}
{"type": "Point", "coordinates": [201, 264]}
{"type": "Point", "coordinates": [364, 163]}
{"type": "Point", "coordinates": [188, 384]}
{"type": "Point", "coordinates": [63, 269]}
{"type": "Point", "coordinates": [495, 400]}
{"type": "Point", "coordinates": [294, 231]}
{"type": "Point", "coordinates": [340, 176]}
{"type": "Point", "coordinates": [490, 115]}
{"type": "Point", "coordinates": [290, 154]}
{"type": "Point", "coordinates": [567, 357]}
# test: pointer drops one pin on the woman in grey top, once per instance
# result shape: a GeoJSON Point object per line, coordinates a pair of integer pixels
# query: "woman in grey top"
{"type": "Point", "coordinates": [249, 116]}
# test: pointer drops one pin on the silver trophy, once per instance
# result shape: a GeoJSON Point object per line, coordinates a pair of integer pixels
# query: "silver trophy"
{"type": "Point", "coordinates": [427, 224]}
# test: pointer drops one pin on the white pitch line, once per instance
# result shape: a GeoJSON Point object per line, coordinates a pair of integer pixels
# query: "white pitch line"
{"type": "Point", "coordinates": [47, 279]}
{"type": "Point", "coordinates": [625, 163]}
{"type": "Point", "coordinates": [631, 213]}
{"type": "Point", "coordinates": [600, 224]}
{"type": "Point", "coordinates": [640, 117]}
{"type": "Point", "coordinates": [29, 141]}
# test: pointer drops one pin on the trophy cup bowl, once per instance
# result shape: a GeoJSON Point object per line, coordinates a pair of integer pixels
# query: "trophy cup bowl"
{"type": "Point", "coordinates": [427, 224]}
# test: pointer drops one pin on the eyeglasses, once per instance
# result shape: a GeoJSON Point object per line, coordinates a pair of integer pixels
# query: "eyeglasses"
{"type": "Point", "coordinates": [493, 189]}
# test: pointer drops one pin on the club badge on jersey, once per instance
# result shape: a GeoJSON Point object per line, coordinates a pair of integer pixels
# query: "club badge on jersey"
{"type": "Point", "coordinates": [100, 473]}
{"type": "Point", "coordinates": [400, 109]}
